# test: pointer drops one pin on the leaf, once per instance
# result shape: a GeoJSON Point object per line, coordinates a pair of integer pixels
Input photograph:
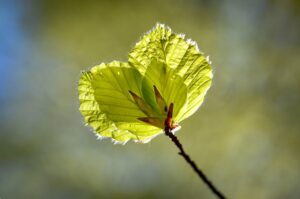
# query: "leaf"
{"type": "Point", "coordinates": [179, 54]}
{"type": "Point", "coordinates": [164, 82]}
{"type": "Point", "coordinates": [106, 104]}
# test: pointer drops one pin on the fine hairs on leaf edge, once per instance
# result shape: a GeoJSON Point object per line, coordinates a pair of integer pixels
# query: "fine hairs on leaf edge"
{"type": "Point", "coordinates": [181, 35]}
{"type": "Point", "coordinates": [101, 137]}
{"type": "Point", "coordinates": [149, 139]}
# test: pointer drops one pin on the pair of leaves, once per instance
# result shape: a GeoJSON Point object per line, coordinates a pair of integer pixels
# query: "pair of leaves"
{"type": "Point", "coordinates": [115, 98]}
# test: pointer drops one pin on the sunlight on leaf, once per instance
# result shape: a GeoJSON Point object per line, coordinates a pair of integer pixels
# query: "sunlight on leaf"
{"type": "Point", "coordinates": [126, 101]}
{"type": "Point", "coordinates": [177, 53]}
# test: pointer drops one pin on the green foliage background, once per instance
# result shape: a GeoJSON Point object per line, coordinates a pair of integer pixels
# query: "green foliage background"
{"type": "Point", "coordinates": [245, 136]}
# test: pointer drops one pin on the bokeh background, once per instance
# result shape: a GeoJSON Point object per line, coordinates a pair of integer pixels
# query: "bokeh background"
{"type": "Point", "coordinates": [245, 136]}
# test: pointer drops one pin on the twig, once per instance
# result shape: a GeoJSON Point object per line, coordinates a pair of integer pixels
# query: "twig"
{"type": "Point", "coordinates": [175, 140]}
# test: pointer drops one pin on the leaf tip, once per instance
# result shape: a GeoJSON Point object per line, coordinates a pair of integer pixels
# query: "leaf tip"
{"type": "Point", "coordinates": [135, 96]}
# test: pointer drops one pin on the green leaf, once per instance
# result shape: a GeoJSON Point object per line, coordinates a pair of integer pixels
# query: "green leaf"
{"type": "Point", "coordinates": [164, 82]}
{"type": "Point", "coordinates": [168, 84]}
{"type": "Point", "coordinates": [107, 106]}
{"type": "Point", "coordinates": [179, 54]}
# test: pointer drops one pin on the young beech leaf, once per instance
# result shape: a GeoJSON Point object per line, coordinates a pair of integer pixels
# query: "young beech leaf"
{"type": "Point", "coordinates": [168, 85]}
{"type": "Point", "coordinates": [179, 54]}
{"type": "Point", "coordinates": [107, 105]}
{"type": "Point", "coordinates": [164, 82]}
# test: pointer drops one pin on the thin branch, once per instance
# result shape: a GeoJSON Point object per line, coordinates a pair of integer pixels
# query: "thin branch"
{"type": "Point", "coordinates": [175, 140]}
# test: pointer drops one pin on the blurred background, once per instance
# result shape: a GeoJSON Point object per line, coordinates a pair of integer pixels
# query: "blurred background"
{"type": "Point", "coordinates": [245, 136]}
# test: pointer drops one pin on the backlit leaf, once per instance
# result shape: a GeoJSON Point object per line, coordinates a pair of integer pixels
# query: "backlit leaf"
{"type": "Point", "coordinates": [107, 105]}
{"type": "Point", "coordinates": [165, 75]}
{"type": "Point", "coordinates": [179, 54]}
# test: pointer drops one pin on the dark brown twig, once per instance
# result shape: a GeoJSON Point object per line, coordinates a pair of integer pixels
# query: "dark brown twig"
{"type": "Point", "coordinates": [175, 140]}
